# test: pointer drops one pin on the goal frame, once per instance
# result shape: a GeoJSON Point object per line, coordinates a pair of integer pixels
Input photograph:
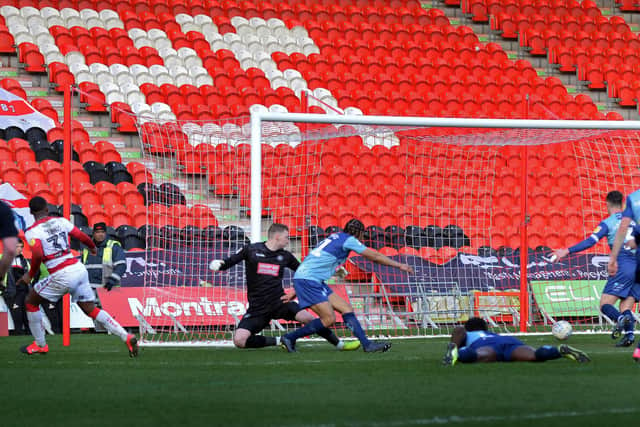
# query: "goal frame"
{"type": "Point", "coordinates": [258, 118]}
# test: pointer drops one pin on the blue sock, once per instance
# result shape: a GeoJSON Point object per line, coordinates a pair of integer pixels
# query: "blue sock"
{"type": "Point", "coordinates": [328, 335]}
{"type": "Point", "coordinates": [547, 352]}
{"type": "Point", "coordinates": [309, 329]}
{"type": "Point", "coordinates": [631, 322]}
{"type": "Point", "coordinates": [610, 311]}
{"type": "Point", "coordinates": [467, 355]}
{"type": "Point", "coordinates": [353, 324]}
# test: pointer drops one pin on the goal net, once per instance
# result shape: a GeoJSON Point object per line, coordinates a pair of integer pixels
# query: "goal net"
{"type": "Point", "coordinates": [456, 199]}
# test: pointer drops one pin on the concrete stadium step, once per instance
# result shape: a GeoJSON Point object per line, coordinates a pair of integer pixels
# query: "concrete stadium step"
{"type": "Point", "coordinates": [15, 74]}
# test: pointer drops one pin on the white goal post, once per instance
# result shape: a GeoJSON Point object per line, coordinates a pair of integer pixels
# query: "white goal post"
{"type": "Point", "coordinates": [395, 122]}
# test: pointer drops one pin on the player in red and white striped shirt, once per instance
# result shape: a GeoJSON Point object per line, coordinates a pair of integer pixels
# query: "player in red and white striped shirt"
{"type": "Point", "coordinates": [49, 241]}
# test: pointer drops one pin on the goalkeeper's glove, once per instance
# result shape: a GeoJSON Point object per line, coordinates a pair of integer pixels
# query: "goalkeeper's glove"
{"type": "Point", "coordinates": [111, 282]}
{"type": "Point", "coordinates": [216, 264]}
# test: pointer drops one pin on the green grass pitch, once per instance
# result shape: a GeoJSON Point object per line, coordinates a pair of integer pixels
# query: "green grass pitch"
{"type": "Point", "coordinates": [94, 383]}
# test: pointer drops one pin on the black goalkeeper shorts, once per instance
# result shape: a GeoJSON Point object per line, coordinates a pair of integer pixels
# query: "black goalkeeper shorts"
{"type": "Point", "coordinates": [257, 321]}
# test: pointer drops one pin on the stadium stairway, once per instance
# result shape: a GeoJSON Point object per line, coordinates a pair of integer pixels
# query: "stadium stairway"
{"type": "Point", "coordinates": [542, 65]}
{"type": "Point", "coordinates": [100, 128]}
{"type": "Point", "coordinates": [98, 125]}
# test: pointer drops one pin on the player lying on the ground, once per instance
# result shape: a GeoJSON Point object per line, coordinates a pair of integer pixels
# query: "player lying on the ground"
{"type": "Point", "coordinates": [49, 241]}
{"type": "Point", "coordinates": [311, 288]}
{"type": "Point", "coordinates": [473, 343]}
{"type": "Point", "coordinates": [264, 264]}
{"type": "Point", "coordinates": [620, 287]}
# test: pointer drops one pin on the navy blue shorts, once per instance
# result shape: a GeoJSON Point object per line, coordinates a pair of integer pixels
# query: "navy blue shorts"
{"type": "Point", "coordinates": [310, 292]}
{"type": "Point", "coordinates": [623, 284]}
{"type": "Point", "coordinates": [503, 346]}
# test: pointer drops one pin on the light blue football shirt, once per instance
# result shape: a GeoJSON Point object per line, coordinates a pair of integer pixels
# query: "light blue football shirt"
{"type": "Point", "coordinates": [332, 252]}
{"type": "Point", "coordinates": [607, 228]}
{"type": "Point", "coordinates": [632, 206]}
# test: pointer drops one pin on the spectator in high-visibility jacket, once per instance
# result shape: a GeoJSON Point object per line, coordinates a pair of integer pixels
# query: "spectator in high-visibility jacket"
{"type": "Point", "coordinates": [108, 265]}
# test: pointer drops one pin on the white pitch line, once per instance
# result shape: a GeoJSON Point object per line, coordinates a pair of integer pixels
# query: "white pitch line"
{"type": "Point", "coordinates": [455, 419]}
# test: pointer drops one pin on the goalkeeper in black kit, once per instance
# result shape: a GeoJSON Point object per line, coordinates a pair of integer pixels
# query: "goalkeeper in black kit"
{"type": "Point", "coordinates": [264, 266]}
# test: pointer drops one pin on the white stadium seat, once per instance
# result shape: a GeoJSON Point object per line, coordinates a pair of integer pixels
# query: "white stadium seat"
{"type": "Point", "coordinates": [47, 12]}
{"type": "Point", "coordinates": [156, 33]}
{"type": "Point", "coordinates": [87, 14]}
{"type": "Point", "coordinates": [163, 79]}
{"type": "Point", "coordinates": [117, 69]}
{"type": "Point", "coordinates": [73, 57]}
{"type": "Point", "coordinates": [143, 78]}
{"type": "Point", "coordinates": [190, 26]}
{"type": "Point", "coordinates": [125, 78]}
{"type": "Point", "coordinates": [84, 76]}
{"type": "Point", "coordinates": [183, 18]}
{"type": "Point", "coordinates": [112, 23]}
{"type": "Point", "coordinates": [55, 20]}
{"type": "Point", "coordinates": [274, 23]}
{"type": "Point", "coordinates": [113, 96]}
{"type": "Point", "coordinates": [76, 67]}
{"type": "Point", "coordinates": [135, 97]}
{"type": "Point", "coordinates": [98, 67]}
{"type": "Point", "coordinates": [68, 12]}
{"type": "Point", "coordinates": [183, 79]}
{"type": "Point", "coordinates": [166, 116]}
{"type": "Point", "coordinates": [158, 107]}
{"type": "Point", "coordinates": [203, 79]}
{"type": "Point", "coordinates": [106, 14]}
{"type": "Point", "coordinates": [28, 11]}
{"type": "Point", "coordinates": [95, 22]}
{"type": "Point", "coordinates": [202, 19]}
{"type": "Point", "coordinates": [299, 31]}
{"type": "Point", "coordinates": [75, 21]}
{"type": "Point", "coordinates": [238, 21]}
{"type": "Point", "coordinates": [161, 43]}
{"type": "Point", "coordinates": [53, 56]}
{"type": "Point", "coordinates": [8, 11]}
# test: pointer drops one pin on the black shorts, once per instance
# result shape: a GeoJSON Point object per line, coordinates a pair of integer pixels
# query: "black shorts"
{"type": "Point", "coordinates": [255, 322]}
{"type": "Point", "coordinates": [7, 222]}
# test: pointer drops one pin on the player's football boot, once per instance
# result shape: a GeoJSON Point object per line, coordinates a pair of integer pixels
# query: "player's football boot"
{"type": "Point", "coordinates": [35, 348]}
{"type": "Point", "coordinates": [350, 345]}
{"type": "Point", "coordinates": [626, 341]}
{"type": "Point", "coordinates": [377, 346]}
{"type": "Point", "coordinates": [451, 356]}
{"type": "Point", "coordinates": [288, 344]}
{"type": "Point", "coordinates": [132, 345]}
{"type": "Point", "coordinates": [573, 354]}
{"type": "Point", "coordinates": [636, 354]}
{"type": "Point", "coordinates": [619, 327]}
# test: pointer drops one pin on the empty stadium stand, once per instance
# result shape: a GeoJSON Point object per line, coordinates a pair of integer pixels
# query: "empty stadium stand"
{"type": "Point", "coordinates": [210, 60]}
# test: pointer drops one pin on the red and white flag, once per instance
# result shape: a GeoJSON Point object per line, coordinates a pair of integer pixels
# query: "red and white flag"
{"type": "Point", "coordinates": [15, 111]}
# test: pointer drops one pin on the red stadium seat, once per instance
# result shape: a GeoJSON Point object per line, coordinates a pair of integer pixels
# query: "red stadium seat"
{"type": "Point", "coordinates": [109, 194]}
{"type": "Point", "coordinates": [85, 193]}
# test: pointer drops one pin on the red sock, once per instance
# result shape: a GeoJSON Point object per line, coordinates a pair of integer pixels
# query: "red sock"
{"type": "Point", "coordinates": [94, 313]}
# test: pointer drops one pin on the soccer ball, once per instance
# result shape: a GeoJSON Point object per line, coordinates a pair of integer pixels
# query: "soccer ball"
{"type": "Point", "coordinates": [561, 330]}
